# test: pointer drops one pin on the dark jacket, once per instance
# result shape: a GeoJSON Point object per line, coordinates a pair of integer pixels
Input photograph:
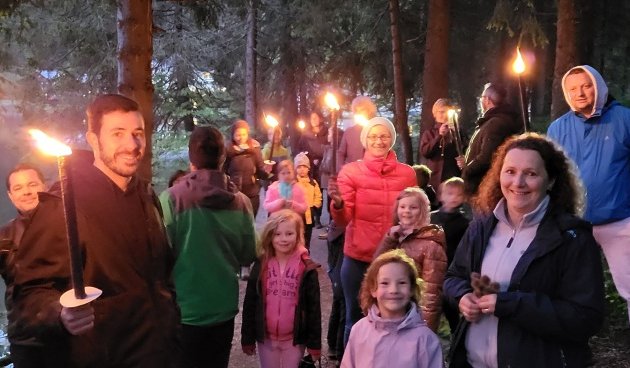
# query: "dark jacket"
{"type": "Point", "coordinates": [555, 300]}
{"type": "Point", "coordinates": [454, 224]}
{"type": "Point", "coordinates": [440, 153]}
{"type": "Point", "coordinates": [307, 328]}
{"type": "Point", "coordinates": [245, 166]}
{"type": "Point", "coordinates": [314, 143]}
{"type": "Point", "coordinates": [125, 254]}
{"type": "Point", "coordinates": [492, 129]}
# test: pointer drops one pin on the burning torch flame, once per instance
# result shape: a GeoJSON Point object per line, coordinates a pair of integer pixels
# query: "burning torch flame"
{"type": "Point", "coordinates": [360, 119]}
{"type": "Point", "coordinates": [519, 64]}
{"type": "Point", "coordinates": [301, 124]}
{"type": "Point", "coordinates": [48, 145]}
{"type": "Point", "coordinates": [451, 113]}
{"type": "Point", "coordinates": [331, 101]}
{"type": "Point", "coordinates": [271, 121]}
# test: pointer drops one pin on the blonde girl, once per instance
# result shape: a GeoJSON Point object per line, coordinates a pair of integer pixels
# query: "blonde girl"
{"type": "Point", "coordinates": [393, 333]}
{"type": "Point", "coordinates": [281, 311]}
{"type": "Point", "coordinates": [285, 193]}
{"type": "Point", "coordinates": [424, 243]}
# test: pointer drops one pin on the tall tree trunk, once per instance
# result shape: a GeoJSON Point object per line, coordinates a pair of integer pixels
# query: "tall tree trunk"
{"type": "Point", "coordinates": [566, 53]}
{"type": "Point", "coordinates": [182, 73]}
{"type": "Point", "coordinates": [251, 102]}
{"type": "Point", "coordinates": [135, 49]}
{"type": "Point", "coordinates": [289, 90]}
{"type": "Point", "coordinates": [435, 74]}
{"type": "Point", "coordinates": [400, 104]}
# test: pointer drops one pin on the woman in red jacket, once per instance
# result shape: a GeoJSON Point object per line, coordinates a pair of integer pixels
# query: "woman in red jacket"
{"type": "Point", "coordinates": [363, 198]}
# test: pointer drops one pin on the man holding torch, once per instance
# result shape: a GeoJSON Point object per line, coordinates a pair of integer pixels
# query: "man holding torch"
{"type": "Point", "coordinates": [135, 322]}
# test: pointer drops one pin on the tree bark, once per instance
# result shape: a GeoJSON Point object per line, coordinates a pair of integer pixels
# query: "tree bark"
{"type": "Point", "coordinates": [134, 52]}
{"type": "Point", "coordinates": [435, 74]}
{"type": "Point", "coordinates": [566, 53]}
{"type": "Point", "coordinates": [251, 102]}
{"type": "Point", "coordinates": [400, 100]}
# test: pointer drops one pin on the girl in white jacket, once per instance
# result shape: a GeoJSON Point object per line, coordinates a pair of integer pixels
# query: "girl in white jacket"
{"type": "Point", "coordinates": [393, 334]}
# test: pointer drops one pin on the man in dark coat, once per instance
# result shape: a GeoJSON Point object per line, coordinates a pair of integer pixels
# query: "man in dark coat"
{"type": "Point", "coordinates": [24, 183]}
{"type": "Point", "coordinates": [135, 322]}
{"type": "Point", "coordinates": [498, 122]}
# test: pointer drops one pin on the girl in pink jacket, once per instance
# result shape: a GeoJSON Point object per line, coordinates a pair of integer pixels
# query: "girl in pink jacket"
{"type": "Point", "coordinates": [285, 193]}
{"type": "Point", "coordinates": [393, 334]}
{"type": "Point", "coordinates": [281, 311]}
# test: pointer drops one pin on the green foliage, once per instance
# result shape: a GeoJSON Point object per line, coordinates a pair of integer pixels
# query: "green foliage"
{"type": "Point", "coordinates": [170, 153]}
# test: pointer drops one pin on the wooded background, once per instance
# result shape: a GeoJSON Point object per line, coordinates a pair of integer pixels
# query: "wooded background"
{"type": "Point", "coordinates": [212, 61]}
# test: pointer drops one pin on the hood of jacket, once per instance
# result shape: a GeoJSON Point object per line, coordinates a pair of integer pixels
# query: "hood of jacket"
{"type": "Point", "coordinates": [601, 89]}
{"type": "Point", "coordinates": [410, 320]}
{"type": "Point", "coordinates": [210, 188]}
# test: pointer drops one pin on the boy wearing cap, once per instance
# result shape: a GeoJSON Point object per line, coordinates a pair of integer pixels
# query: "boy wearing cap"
{"type": "Point", "coordinates": [312, 192]}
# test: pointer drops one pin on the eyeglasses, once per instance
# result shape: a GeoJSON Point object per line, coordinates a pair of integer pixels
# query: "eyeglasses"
{"type": "Point", "coordinates": [383, 138]}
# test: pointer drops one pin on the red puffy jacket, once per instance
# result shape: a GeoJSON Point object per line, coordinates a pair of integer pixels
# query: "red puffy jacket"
{"type": "Point", "coordinates": [369, 189]}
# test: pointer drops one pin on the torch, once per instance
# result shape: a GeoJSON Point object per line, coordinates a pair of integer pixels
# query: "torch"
{"type": "Point", "coordinates": [273, 124]}
{"type": "Point", "coordinates": [332, 104]}
{"type": "Point", "coordinates": [519, 68]}
{"type": "Point", "coordinates": [79, 294]}
{"type": "Point", "coordinates": [301, 125]}
{"type": "Point", "coordinates": [453, 124]}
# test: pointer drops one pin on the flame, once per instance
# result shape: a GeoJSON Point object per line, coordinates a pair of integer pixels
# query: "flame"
{"type": "Point", "coordinates": [48, 145]}
{"type": "Point", "coordinates": [301, 124]}
{"type": "Point", "coordinates": [271, 121]}
{"type": "Point", "coordinates": [360, 119]}
{"type": "Point", "coordinates": [331, 101]}
{"type": "Point", "coordinates": [519, 64]}
{"type": "Point", "coordinates": [451, 113]}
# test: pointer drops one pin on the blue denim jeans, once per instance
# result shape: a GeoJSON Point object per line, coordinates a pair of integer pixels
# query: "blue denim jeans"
{"type": "Point", "coordinates": [352, 272]}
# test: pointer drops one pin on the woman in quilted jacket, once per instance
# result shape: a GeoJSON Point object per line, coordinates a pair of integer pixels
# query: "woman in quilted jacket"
{"type": "Point", "coordinates": [363, 196]}
{"type": "Point", "coordinates": [425, 244]}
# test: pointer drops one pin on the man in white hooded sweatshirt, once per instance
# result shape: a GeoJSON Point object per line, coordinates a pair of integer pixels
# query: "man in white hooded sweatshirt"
{"type": "Point", "coordinates": [596, 135]}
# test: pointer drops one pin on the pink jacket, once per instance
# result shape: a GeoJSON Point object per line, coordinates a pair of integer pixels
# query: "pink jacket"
{"type": "Point", "coordinates": [375, 342]}
{"type": "Point", "coordinates": [281, 295]}
{"type": "Point", "coordinates": [369, 189]}
{"type": "Point", "coordinates": [275, 202]}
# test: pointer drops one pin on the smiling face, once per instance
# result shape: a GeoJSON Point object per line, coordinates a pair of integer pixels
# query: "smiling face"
{"type": "Point", "coordinates": [379, 141]}
{"type": "Point", "coordinates": [393, 290]}
{"type": "Point", "coordinates": [119, 146]}
{"type": "Point", "coordinates": [581, 91]}
{"type": "Point", "coordinates": [524, 182]}
{"type": "Point", "coordinates": [23, 188]}
{"type": "Point", "coordinates": [409, 212]}
{"type": "Point", "coordinates": [284, 240]}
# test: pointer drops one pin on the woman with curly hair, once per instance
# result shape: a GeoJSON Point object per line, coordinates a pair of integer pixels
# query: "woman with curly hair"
{"type": "Point", "coordinates": [542, 257]}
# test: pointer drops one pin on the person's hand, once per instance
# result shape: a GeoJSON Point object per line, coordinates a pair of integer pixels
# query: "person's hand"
{"type": "Point", "coordinates": [444, 130]}
{"type": "Point", "coordinates": [288, 203]}
{"type": "Point", "coordinates": [249, 349]}
{"type": "Point", "coordinates": [333, 192]}
{"type": "Point", "coordinates": [469, 307]}
{"type": "Point", "coordinates": [487, 303]}
{"type": "Point", "coordinates": [316, 162]}
{"type": "Point", "coordinates": [461, 162]}
{"type": "Point", "coordinates": [78, 320]}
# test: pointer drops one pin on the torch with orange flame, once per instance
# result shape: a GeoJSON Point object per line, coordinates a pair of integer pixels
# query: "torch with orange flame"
{"type": "Point", "coordinates": [301, 125]}
{"type": "Point", "coordinates": [518, 66]}
{"type": "Point", "coordinates": [331, 103]}
{"type": "Point", "coordinates": [79, 294]}
{"type": "Point", "coordinates": [360, 119]}
{"type": "Point", "coordinates": [453, 123]}
{"type": "Point", "coordinates": [273, 124]}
